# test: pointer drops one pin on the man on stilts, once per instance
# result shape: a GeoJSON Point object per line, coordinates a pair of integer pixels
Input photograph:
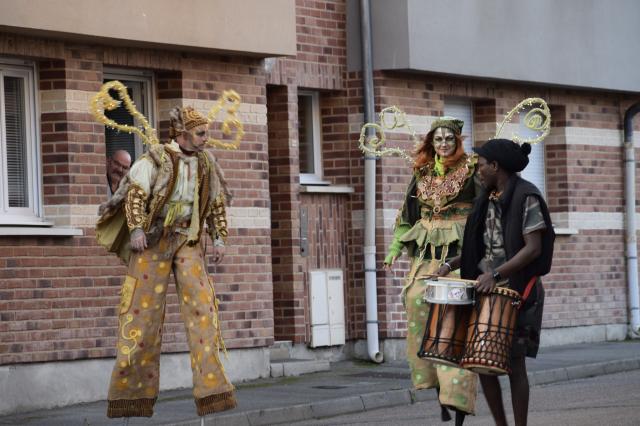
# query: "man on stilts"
{"type": "Point", "coordinates": [155, 222]}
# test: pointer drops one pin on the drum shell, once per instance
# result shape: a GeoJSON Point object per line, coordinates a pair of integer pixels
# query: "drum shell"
{"type": "Point", "coordinates": [445, 334]}
{"type": "Point", "coordinates": [490, 333]}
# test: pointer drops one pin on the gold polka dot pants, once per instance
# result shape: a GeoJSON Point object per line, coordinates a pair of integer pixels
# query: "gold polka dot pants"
{"type": "Point", "coordinates": [135, 378]}
{"type": "Point", "coordinates": [458, 387]}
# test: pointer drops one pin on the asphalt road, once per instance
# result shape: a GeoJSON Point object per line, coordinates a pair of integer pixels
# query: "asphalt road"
{"type": "Point", "coordinates": [605, 400]}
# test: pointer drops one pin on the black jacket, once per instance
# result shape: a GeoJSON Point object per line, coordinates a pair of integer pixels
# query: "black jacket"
{"type": "Point", "coordinates": [512, 205]}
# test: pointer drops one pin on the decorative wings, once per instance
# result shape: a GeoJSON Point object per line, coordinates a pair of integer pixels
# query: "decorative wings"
{"type": "Point", "coordinates": [229, 101]}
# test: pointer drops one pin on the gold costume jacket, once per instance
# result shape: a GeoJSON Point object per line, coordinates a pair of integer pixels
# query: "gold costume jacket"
{"type": "Point", "coordinates": [131, 207]}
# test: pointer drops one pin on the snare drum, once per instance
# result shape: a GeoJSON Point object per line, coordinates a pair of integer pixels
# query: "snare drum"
{"type": "Point", "coordinates": [449, 291]}
{"type": "Point", "coordinates": [448, 319]}
{"type": "Point", "coordinates": [490, 333]}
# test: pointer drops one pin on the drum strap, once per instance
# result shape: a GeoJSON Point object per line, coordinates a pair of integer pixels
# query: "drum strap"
{"type": "Point", "coordinates": [527, 290]}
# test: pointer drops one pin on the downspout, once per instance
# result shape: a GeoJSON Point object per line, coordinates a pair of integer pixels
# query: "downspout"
{"type": "Point", "coordinates": [630, 213]}
{"type": "Point", "coordinates": [370, 282]}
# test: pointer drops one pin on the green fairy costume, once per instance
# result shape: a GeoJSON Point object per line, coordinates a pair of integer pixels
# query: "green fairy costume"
{"type": "Point", "coordinates": [430, 225]}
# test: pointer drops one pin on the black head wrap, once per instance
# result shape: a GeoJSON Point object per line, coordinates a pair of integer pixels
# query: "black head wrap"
{"type": "Point", "coordinates": [508, 154]}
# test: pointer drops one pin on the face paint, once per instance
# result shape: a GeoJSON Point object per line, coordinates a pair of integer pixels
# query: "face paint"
{"type": "Point", "coordinates": [444, 142]}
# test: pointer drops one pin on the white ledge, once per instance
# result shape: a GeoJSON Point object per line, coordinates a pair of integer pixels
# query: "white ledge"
{"type": "Point", "coordinates": [53, 231]}
{"type": "Point", "coordinates": [566, 231]}
{"type": "Point", "coordinates": [323, 189]}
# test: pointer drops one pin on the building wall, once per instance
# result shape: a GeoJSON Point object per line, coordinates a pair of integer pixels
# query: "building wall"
{"type": "Point", "coordinates": [319, 65]}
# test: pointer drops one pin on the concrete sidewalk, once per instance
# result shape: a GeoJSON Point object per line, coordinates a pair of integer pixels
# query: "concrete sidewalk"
{"type": "Point", "coordinates": [349, 386]}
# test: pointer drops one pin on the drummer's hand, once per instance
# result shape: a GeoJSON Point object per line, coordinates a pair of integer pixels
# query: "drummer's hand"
{"type": "Point", "coordinates": [442, 271]}
{"type": "Point", "coordinates": [486, 283]}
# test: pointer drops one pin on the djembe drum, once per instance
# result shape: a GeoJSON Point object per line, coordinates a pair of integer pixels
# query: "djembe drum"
{"type": "Point", "coordinates": [444, 338]}
{"type": "Point", "coordinates": [490, 333]}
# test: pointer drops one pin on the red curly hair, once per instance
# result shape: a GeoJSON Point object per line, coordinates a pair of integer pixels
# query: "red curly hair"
{"type": "Point", "coordinates": [425, 154]}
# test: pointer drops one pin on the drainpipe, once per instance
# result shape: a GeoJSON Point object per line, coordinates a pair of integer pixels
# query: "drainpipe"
{"type": "Point", "coordinates": [630, 212]}
{"type": "Point", "coordinates": [370, 282]}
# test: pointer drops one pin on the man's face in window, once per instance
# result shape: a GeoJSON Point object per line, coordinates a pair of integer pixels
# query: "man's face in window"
{"type": "Point", "coordinates": [118, 166]}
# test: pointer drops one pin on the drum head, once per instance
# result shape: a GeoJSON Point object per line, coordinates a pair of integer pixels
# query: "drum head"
{"type": "Point", "coordinates": [441, 361]}
{"type": "Point", "coordinates": [483, 369]}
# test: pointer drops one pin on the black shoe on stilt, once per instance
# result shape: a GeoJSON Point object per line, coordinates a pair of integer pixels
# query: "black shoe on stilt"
{"type": "Point", "coordinates": [444, 413]}
{"type": "Point", "coordinates": [460, 415]}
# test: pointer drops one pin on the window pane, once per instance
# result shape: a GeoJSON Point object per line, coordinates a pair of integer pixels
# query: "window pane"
{"type": "Point", "coordinates": [16, 142]}
{"type": "Point", "coordinates": [462, 109]}
{"type": "Point", "coordinates": [305, 133]}
{"type": "Point", "coordinates": [114, 139]}
{"type": "Point", "coordinates": [535, 170]}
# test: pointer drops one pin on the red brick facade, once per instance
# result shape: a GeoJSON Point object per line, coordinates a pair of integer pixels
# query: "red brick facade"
{"type": "Point", "coordinates": [58, 294]}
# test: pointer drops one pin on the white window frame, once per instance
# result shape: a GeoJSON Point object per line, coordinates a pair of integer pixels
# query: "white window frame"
{"type": "Point", "coordinates": [315, 178]}
{"type": "Point", "coordinates": [148, 80]}
{"type": "Point", "coordinates": [32, 215]}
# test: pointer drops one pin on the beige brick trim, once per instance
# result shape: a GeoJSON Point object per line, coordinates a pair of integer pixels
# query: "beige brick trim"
{"type": "Point", "coordinates": [589, 220]}
{"type": "Point", "coordinates": [72, 215]}
{"type": "Point", "coordinates": [248, 113]}
{"type": "Point", "coordinates": [589, 136]}
{"type": "Point", "coordinates": [65, 100]}
{"type": "Point", "coordinates": [249, 217]}
{"type": "Point", "coordinates": [385, 218]}
{"type": "Point", "coordinates": [85, 216]}
{"type": "Point", "coordinates": [420, 123]}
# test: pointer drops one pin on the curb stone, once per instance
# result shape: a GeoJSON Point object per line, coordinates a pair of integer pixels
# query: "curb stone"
{"type": "Point", "coordinates": [335, 407]}
{"type": "Point", "coordinates": [375, 400]}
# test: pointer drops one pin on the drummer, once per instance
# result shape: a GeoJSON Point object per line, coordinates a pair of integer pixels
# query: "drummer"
{"type": "Point", "coordinates": [430, 225]}
{"type": "Point", "coordinates": [508, 241]}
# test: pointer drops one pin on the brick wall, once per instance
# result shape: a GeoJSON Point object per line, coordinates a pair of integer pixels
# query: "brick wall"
{"type": "Point", "coordinates": [289, 296]}
{"type": "Point", "coordinates": [319, 65]}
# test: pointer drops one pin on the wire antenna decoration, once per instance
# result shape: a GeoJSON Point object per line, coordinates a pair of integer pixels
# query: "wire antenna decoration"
{"type": "Point", "coordinates": [102, 101]}
{"type": "Point", "coordinates": [537, 119]}
{"type": "Point", "coordinates": [230, 101]}
{"type": "Point", "coordinates": [375, 144]}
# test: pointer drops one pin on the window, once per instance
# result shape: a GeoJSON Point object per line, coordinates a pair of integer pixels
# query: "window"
{"type": "Point", "coordinates": [535, 170]}
{"type": "Point", "coordinates": [20, 198]}
{"type": "Point", "coordinates": [463, 110]}
{"type": "Point", "coordinates": [309, 139]}
{"type": "Point", "coordinates": [139, 89]}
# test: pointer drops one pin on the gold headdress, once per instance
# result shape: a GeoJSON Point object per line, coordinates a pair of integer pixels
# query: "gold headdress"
{"type": "Point", "coordinates": [537, 119]}
{"type": "Point", "coordinates": [192, 118]}
{"type": "Point", "coordinates": [374, 145]}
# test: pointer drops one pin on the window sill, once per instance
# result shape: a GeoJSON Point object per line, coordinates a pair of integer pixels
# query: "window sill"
{"type": "Point", "coordinates": [52, 231]}
{"type": "Point", "coordinates": [566, 231]}
{"type": "Point", "coordinates": [317, 189]}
